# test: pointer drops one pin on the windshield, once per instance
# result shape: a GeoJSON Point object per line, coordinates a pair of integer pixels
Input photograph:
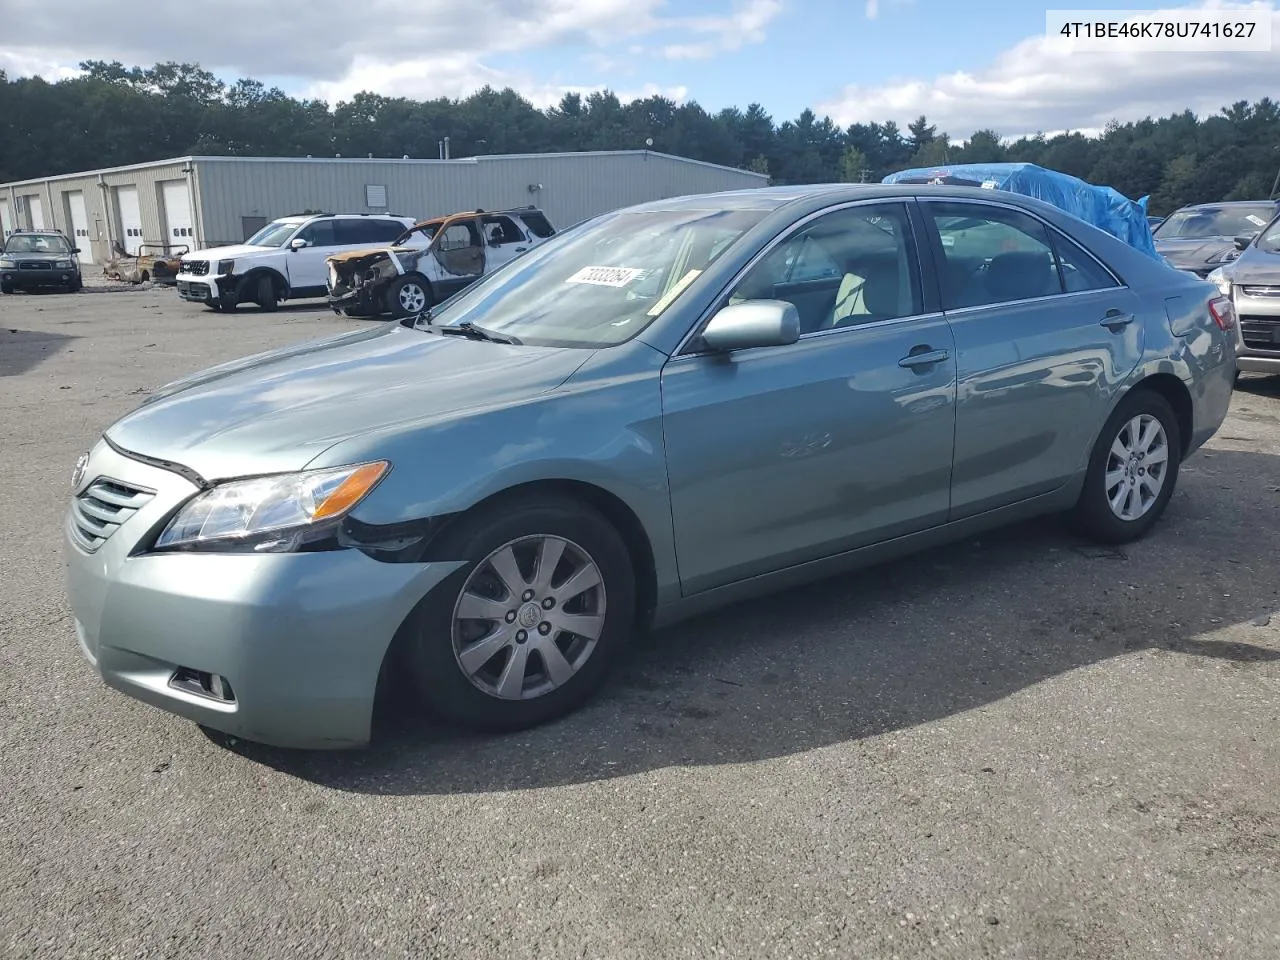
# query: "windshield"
{"type": "Point", "coordinates": [603, 283]}
{"type": "Point", "coordinates": [37, 243]}
{"type": "Point", "coordinates": [275, 234]}
{"type": "Point", "coordinates": [1208, 222]}
{"type": "Point", "coordinates": [1270, 239]}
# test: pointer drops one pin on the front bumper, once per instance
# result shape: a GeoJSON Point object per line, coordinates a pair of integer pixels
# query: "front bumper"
{"type": "Point", "coordinates": [27, 279]}
{"type": "Point", "coordinates": [198, 289]}
{"type": "Point", "coordinates": [299, 638]}
{"type": "Point", "coordinates": [1258, 313]}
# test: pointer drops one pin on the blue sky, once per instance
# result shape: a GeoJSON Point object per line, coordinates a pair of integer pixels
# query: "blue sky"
{"type": "Point", "coordinates": [983, 63]}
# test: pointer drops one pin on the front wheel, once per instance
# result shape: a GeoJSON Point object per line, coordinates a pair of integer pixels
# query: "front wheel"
{"type": "Point", "coordinates": [529, 627]}
{"type": "Point", "coordinates": [1132, 471]}
{"type": "Point", "coordinates": [6, 288]}
{"type": "Point", "coordinates": [408, 297]}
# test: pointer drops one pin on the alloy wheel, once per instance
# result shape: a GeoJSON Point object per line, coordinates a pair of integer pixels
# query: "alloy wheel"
{"type": "Point", "coordinates": [528, 617]}
{"type": "Point", "coordinates": [1137, 465]}
{"type": "Point", "coordinates": [413, 299]}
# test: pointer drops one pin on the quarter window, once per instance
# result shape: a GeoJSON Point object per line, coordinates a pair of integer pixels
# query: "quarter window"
{"type": "Point", "coordinates": [1080, 272]}
{"type": "Point", "coordinates": [846, 268]}
{"type": "Point", "coordinates": [992, 255]}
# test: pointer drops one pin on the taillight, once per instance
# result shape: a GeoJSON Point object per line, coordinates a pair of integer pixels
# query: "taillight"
{"type": "Point", "coordinates": [1223, 312]}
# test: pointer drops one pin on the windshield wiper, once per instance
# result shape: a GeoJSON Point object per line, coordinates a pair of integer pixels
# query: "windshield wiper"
{"type": "Point", "coordinates": [471, 331]}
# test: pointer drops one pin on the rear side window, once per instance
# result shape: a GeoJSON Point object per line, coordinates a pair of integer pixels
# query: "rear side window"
{"type": "Point", "coordinates": [502, 230]}
{"type": "Point", "coordinates": [538, 224]}
{"type": "Point", "coordinates": [371, 230]}
{"type": "Point", "coordinates": [1080, 272]}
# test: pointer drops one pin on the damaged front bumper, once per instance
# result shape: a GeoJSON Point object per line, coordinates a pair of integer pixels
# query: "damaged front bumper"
{"type": "Point", "coordinates": [358, 285]}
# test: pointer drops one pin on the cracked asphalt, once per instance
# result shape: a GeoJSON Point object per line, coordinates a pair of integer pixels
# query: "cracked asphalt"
{"type": "Point", "coordinates": [1020, 746]}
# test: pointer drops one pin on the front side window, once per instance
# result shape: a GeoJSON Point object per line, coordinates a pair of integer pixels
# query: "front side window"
{"type": "Point", "coordinates": [319, 233]}
{"type": "Point", "coordinates": [846, 268]}
{"type": "Point", "coordinates": [992, 255]}
{"type": "Point", "coordinates": [603, 282]}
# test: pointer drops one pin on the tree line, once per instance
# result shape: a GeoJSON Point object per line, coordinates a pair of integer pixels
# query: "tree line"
{"type": "Point", "coordinates": [113, 115]}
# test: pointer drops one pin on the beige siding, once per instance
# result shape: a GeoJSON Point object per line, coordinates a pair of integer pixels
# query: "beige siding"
{"type": "Point", "coordinates": [568, 187]}
{"type": "Point", "coordinates": [100, 202]}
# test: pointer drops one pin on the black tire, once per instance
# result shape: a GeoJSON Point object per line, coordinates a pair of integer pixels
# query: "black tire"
{"type": "Point", "coordinates": [361, 313]}
{"type": "Point", "coordinates": [435, 671]}
{"type": "Point", "coordinates": [264, 293]}
{"type": "Point", "coordinates": [6, 288]}
{"type": "Point", "coordinates": [1093, 515]}
{"type": "Point", "coordinates": [401, 291]}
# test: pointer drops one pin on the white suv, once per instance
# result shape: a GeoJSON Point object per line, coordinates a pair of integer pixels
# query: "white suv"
{"type": "Point", "coordinates": [285, 260]}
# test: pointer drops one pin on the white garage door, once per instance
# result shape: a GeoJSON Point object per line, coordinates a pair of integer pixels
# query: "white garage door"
{"type": "Point", "coordinates": [177, 213]}
{"type": "Point", "coordinates": [37, 212]}
{"type": "Point", "coordinates": [130, 218]}
{"type": "Point", "coordinates": [6, 221]}
{"type": "Point", "coordinates": [80, 225]}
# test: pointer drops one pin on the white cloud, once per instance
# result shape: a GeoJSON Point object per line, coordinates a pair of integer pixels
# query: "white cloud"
{"type": "Point", "coordinates": [1039, 85]}
{"type": "Point", "coordinates": [745, 25]}
{"type": "Point", "coordinates": [873, 9]}
{"type": "Point", "coordinates": [429, 49]}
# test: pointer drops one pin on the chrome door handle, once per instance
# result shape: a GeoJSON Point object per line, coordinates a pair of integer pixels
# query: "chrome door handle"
{"type": "Point", "coordinates": [1115, 321]}
{"type": "Point", "coordinates": [926, 359]}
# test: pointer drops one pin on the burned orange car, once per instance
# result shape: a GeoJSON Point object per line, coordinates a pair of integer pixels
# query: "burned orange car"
{"type": "Point", "coordinates": [153, 261]}
{"type": "Point", "coordinates": [431, 261]}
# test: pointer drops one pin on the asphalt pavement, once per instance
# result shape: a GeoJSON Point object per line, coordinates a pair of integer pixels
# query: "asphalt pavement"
{"type": "Point", "coordinates": [1021, 746]}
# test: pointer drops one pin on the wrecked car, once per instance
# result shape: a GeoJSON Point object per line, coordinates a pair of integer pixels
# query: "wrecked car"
{"type": "Point", "coordinates": [431, 261]}
{"type": "Point", "coordinates": [153, 261]}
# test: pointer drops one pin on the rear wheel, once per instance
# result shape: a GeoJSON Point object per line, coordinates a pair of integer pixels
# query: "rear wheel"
{"type": "Point", "coordinates": [408, 297]}
{"type": "Point", "coordinates": [529, 627]}
{"type": "Point", "coordinates": [1133, 470]}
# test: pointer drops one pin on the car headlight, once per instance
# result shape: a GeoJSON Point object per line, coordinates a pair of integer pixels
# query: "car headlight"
{"type": "Point", "coordinates": [7, 264]}
{"type": "Point", "coordinates": [275, 514]}
{"type": "Point", "coordinates": [225, 266]}
{"type": "Point", "coordinates": [1220, 280]}
{"type": "Point", "coordinates": [62, 265]}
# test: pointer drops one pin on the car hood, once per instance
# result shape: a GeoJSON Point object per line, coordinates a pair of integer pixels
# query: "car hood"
{"type": "Point", "coordinates": [14, 255]}
{"type": "Point", "coordinates": [1201, 252]}
{"type": "Point", "coordinates": [228, 253]}
{"type": "Point", "coordinates": [1256, 267]}
{"type": "Point", "coordinates": [277, 411]}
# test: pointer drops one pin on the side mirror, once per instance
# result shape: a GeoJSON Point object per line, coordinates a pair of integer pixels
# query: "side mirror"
{"type": "Point", "coordinates": [1244, 240]}
{"type": "Point", "coordinates": [753, 323]}
{"type": "Point", "coordinates": [297, 243]}
{"type": "Point", "coordinates": [75, 249]}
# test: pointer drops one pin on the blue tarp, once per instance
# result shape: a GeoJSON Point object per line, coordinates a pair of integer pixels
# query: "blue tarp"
{"type": "Point", "coordinates": [1103, 207]}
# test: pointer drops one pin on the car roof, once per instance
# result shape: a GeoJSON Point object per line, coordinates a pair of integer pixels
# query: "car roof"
{"type": "Point", "coordinates": [468, 214]}
{"type": "Point", "coordinates": [1219, 204]}
{"type": "Point", "coordinates": [308, 217]}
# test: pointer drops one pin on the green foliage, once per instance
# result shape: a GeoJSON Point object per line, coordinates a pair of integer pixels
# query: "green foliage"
{"type": "Point", "coordinates": [113, 114]}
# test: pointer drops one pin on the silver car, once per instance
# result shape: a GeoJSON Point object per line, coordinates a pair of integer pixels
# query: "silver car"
{"type": "Point", "coordinates": [657, 412]}
{"type": "Point", "coordinates": [1252, 281]}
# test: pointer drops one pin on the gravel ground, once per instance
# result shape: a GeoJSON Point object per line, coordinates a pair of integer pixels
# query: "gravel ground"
{"type": "Point", "coordinates": [1020, 746]}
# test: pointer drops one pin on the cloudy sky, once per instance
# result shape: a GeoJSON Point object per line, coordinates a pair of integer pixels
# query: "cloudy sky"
{"type": "Point", "coordinates": [980, 63]}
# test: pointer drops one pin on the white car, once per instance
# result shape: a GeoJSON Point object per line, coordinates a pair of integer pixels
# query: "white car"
{"type": "Point", "coordinates": [285, 260]}
{"type": "Point", "coordinates": [431, 261]}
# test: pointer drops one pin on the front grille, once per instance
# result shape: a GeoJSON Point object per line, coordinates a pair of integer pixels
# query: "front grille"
{"type": "Point", "coordinates": [1259, 291]}
{"type": "Point", "coordinates": [35, 265]}
{"type": "Point", "coordinates": [1260, 333]}
{"type": "Point", "coordinates": [197, 268]}
{"type": "Point", "coordinates": [99, 511]}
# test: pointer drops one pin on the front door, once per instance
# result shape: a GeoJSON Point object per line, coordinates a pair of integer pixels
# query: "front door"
{"type": "Point", "coordinates": [1044, 337]}
{"type": "Point", "coordinates": [460, 256]}
{"type": "Point", "coordinates": [306, 266]}
{"type": "Point", "coordinates": [779, 455]}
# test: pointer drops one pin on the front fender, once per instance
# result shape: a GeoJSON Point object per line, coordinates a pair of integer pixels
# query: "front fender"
{"type": "Point", "coordinates": [602, 427]}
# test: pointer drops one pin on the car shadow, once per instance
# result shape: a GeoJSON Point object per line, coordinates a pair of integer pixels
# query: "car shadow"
{"type": "Point", "coordinates": [23, 350]}
{"type": "Point", "coordinates": [1259, 384]}
{"type": "Point", "coordinates": [950, 630]}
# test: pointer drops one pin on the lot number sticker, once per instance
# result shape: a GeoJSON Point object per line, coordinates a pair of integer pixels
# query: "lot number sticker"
{"type": "Point", "coordinates": [605, 276]}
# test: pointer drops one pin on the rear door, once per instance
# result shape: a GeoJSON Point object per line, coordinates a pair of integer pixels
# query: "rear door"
{"type": "Point", "coordinates": [1045, 334]}
{"type": "Point", "coordinates": [505, 241]}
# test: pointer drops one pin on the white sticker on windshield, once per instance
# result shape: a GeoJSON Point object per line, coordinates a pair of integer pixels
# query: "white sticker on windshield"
{"type": "Point", "coordinates": [605, 276]}
{"type": "Point", "coordinates": [989, 184]}
{"type": "Point", "coordinates": [1258, 221]}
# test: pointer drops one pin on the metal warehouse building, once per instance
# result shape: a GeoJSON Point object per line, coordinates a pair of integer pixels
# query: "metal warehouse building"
{"type": "Point", "coordinates": [209, 201]}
